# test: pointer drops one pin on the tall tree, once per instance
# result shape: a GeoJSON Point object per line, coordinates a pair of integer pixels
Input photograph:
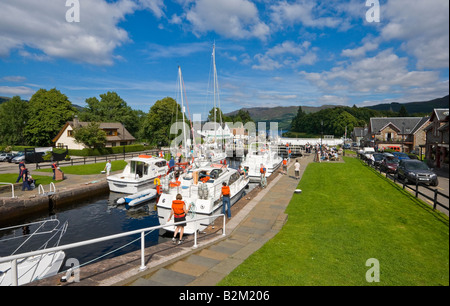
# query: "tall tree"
{"type": "Point", "coordinates": [111, 108]}
{"type": "Point", "coordinates": [157, 123]}
{"type": "Point", "coordinates": [13, 120]}
{"type": "Point", "coordinates": [90, 135]}
{"type": "Point", "coordinates": [49, 110]}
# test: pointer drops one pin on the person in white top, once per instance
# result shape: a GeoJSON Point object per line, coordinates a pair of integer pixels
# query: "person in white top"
{"type": "Point", "coordinates": [297, 169]}
{"type": "Point", "coordinates": [108, 168]}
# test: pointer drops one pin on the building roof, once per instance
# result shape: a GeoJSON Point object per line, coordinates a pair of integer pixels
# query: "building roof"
{"type": "Point", "coordinates": [408, 125]}
{"type": "Point", "coordinates": [122, 132]}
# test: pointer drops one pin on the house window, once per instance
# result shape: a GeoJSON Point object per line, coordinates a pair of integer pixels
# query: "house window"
{"type": "Point", "coordinates": [70, 133]}
{"type": "Point", "coordinates": [111, 132]}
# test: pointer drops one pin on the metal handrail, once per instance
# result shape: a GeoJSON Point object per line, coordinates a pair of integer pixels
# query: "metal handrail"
{"type": "Point", "coordinates": [13, 258]}
{"type": "Point", "coordinates": [12, 188]}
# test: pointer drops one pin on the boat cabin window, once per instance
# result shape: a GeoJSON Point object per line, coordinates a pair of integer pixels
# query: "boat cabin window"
{"type": "Point", "coordinates": [139, 168]}
{"type": "Point", "coordinates": [160, 164]}
{"type": "Point", "coordinates": [234, 177]}
{"type": "Point", "coordinates": [215, 173]}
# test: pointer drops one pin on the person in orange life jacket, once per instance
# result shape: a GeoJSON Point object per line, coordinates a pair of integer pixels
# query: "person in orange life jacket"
{"type": "Point", "coordinates": [284, 166]}
{"type": "Point", "coordinates": [226, 205]}
{"type": "Point", "coordinates": [262, 170]}
{"type": "Point", "coordinates": [179, 212]}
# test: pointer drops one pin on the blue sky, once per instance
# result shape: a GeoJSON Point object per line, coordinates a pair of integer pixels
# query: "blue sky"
{"type": "Point", "coordinates": [268, 53]}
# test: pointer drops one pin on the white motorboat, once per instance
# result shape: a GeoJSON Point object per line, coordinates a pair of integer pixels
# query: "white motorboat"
{"type": "Point", "coordinates": [201, 188]}
{"type": "Point", "coordinates": [138, 198]}
{"type": "Point", "coordinates": [261, 153]}
{"type": "Point", "coordinates": [138, 174]}
{"type": "Point", "coordinates": [33, 267]}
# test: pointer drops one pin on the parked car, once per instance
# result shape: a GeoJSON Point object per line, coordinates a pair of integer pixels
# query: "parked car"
{"type": "Point", "coordinates": [389, 163]}
{"type": "Point", "coordinates": [378, 159]}
{"type": "Point", "coordinates": [400, 155]}
{"type": "Point", "coordinates": [414, 170]}
{"type": "Point", "coordinates": [19, 157]}
{"type": "Point", "coordinates": [4, 156]}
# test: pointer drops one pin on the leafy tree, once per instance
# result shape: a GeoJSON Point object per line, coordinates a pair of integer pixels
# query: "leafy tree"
{"type": "Point", "coordinates": [241, 116]}
{"type": "Point", "coordinates": [49, 110]}
{"type": "Point", "coordinates": [220, 117]}
{"type": "Point", "coordinates": [90, 135]}
{"type": "Point", "coordinates": [111, 108]}
{"type": "Point", "coordinates": [156, 125]}
{"type": "Point", "coordinates": [13, 120]}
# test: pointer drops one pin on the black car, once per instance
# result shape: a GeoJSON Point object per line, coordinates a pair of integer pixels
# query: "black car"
{"type": "Point", "coordinates": [414, 170]}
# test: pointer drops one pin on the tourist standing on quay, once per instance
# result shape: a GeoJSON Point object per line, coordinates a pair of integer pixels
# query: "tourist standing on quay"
{"type": "Point", "coordinates": [179, 212]}
{"type": "Point", "coordinates": [297, 169]}
{"type": "Point", "coordinates": [226, 205]}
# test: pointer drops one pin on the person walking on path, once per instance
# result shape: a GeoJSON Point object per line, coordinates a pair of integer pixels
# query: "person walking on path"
{"type": "Point", "coordinates": [284, 166]}
{"type": "Point", "coordinates": [226, 204]}
{"type": "Point", "coordinates": [179, 212]}
{"type": "Point", "coordinates": [297, 169]}
{"type": "Point", "coordinates": [25, 179]}
{"type": "Point", "coordinates": [108, 167]}
{"type": "Point", "coordinates": [262, 171]}
{"type": "Point", "coordinates": [21, 165]}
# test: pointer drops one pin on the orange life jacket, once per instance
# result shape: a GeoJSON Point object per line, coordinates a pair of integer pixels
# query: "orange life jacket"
{"type": "Point", "coordinates": [284, 162]}
{"type": "Point", "coordinates": [226, 191]}
{"type": "Point", "coordinates": [178, 208]}
{"type": "Point", "coordinates": [262, 170]}
{"type": "Point", "coordinates": [205, 179]}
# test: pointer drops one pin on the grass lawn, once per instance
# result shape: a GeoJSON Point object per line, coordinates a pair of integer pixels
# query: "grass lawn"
{"type": "Point", "coordinates": [40, 179]}
{"type": "Point", "coordinates": [89, 168]}
{"type": "Point", "coordinates": [346, 215]}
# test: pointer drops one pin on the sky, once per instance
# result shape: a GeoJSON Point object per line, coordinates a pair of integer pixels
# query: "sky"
{"type": "Point", "coordinates": [268, 53]}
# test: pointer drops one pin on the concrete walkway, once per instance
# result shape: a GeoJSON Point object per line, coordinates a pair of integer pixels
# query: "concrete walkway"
{"type": "Point", "coordinates": [249, 230]}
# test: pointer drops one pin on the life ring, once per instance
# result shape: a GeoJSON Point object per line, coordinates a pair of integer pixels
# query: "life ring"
{"type": "Point", "coordinates": [144, 156]}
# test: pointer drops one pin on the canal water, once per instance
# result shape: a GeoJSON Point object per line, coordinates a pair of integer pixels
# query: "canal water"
{"type": "Point", "coordinates": [94, 218]}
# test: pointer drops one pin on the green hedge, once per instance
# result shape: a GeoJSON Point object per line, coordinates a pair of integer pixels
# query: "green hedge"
{"type": "Point", "coordinates": [109, 150]}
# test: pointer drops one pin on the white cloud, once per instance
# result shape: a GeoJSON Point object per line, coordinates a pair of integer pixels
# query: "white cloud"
{"type": "Point", "coordinates": [423, 28]}
{"type": "Point", "coordinates": [305, 12]}
{"type": "Point", "coordinates": [286, 54]}
{"type": "Point", "coordinates": [39, 30]}
{"type": "Point", "coordinates": [13, 78]}
{"type": "Point", "coordinates": [155, 6]}
{"type": "Point", "coordinates": [16, 90]}
{"type": "Point", "coordinates": [230, 18]}
{"type": "Point", "coordinates": [383, 73]}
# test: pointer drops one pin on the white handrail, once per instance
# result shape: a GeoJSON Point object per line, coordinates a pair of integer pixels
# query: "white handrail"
{"type": "Point", "coordinates": [41, 187]}
{"type": "Point", "coordinates": [13, 258]}
{"type": "Point", "coordinates": [54, 187]}
{"type": "Point", "coordinates": [12, 188]}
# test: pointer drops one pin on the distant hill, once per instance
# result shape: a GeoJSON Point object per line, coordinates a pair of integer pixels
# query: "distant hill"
{"type": "Point", "coordinates": [414, 107]}
{"type": "Point", "coordinates": [280, 114]}
{"type": "Point", "coordinates": [284, 115]}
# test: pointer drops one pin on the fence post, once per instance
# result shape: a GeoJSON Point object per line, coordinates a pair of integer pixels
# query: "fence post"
{"type": "Point", "coordinates": [223, 228]}
{"type": "Point", "coordinates": [435, 199]}
{"type": "Point", "coordinates": [14, 279]}
{"type": "Point", "coordinates": [195, 237]}
{"type": "Point", "coordinates": [143, 267]}
{"type": "Point", "coordinates": [417, 187]}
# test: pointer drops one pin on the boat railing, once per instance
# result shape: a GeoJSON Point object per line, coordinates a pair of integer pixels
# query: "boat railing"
{"type": "Point", "coordinates": [13, 259]}
{"type": "Point", "coordinates": [12, 188]}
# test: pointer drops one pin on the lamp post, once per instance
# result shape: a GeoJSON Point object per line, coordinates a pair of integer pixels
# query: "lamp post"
{"type": "Point", "coordinates": [321, 135]}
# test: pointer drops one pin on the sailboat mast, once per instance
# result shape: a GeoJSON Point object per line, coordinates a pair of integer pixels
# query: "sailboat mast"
{"type": "Point", "coordinates": [182, 107]}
